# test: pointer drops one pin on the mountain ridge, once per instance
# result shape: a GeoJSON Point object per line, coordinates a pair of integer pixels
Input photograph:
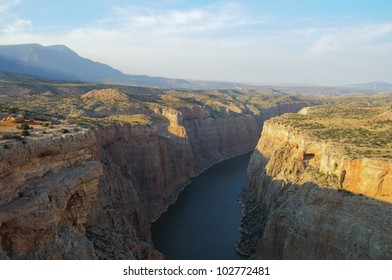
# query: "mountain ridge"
{"type": "Point", "coordinates": [375, 85]}
{"type": "Point", "coordinates": [61, 62]}
{"type": "Point", "coordinates": [59, 59]}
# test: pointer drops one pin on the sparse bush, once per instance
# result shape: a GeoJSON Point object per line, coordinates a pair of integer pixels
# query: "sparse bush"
{"type": "Point", "coordinates": [23, 126]}
{"type": "Point", "coordinates": [25, 133]}
{"type": "Point", "coordinates": [12, 136]}
{"type": "Point", "coordinates": [346, 192]}
{"type": "Point", "coordinates": [13, 110]}
{"type": "Point", "coordinates": [64, 130]}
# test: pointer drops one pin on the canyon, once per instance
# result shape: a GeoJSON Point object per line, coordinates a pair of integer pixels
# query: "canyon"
{"type": "Point", "coordinates": [73, 191]}
{"type": "Point", "coordinates": [85, 168]}
{"type": "Point", "coordinates": [312, 198]}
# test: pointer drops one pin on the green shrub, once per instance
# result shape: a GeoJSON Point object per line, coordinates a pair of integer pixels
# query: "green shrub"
{"type": "Point", "coordinates": [25, 133]}
{"type": "Point", "coordinates": [23, 126]}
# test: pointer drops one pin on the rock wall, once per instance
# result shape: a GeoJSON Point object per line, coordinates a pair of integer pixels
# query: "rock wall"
{"type": "Point", "coordinates": [305, 199]}
{"type": "Point", "coordinates": [47, 188]}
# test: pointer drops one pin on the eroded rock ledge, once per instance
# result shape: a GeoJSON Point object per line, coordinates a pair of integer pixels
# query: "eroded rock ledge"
{"type": "Point", "coordinates": [305, 199]}
{"type": "Point", "coordinates": [48, 186]}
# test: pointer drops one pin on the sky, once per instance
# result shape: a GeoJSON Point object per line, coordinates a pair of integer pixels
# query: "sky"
{"type": "Point", "coordinates": [318, 42]}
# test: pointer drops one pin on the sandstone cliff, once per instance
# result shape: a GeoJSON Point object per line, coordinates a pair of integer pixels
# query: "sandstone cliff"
{"type": "Point", "coordinates": [305, 198]}
{"type": "Point", "coordinates": [48, 186]}
{"type": "Point", "coordinates": [93, 193]}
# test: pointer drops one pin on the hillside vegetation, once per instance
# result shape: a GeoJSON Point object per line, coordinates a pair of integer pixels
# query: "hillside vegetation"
{"type": "Point", "coordinates": [70, 101]}
{"type": "Point", "coordinates": [363, 128]}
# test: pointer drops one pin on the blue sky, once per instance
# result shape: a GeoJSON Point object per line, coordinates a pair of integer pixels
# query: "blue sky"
{"type": "Point", "coordinates": [323, 42]}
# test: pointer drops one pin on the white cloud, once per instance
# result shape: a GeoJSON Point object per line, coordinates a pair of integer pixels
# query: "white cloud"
{"type": "Point", "coordinates": [175, 22]}
{"type": "Point", "coordinates": [307, 32]}
{"type": "Point", "coordinates": [7, 4]}
{"type": "Point", "coordinates": [10, 24]}
{"type": "Point", "coordinates": [171, 18]}
{"type": "Point", "coordinates": [349, 38]}
{"type": "Point", "coordinates": [324, 44]}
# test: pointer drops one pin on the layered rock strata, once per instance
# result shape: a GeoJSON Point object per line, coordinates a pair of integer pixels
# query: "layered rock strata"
{"type": "Point", "coordinates": [48, 186]}
{"type": "Point", "coordinates": [305, 199]}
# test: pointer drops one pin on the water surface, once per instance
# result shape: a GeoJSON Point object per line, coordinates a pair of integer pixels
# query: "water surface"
{"type": "Point", "coordinates": [203, 223]}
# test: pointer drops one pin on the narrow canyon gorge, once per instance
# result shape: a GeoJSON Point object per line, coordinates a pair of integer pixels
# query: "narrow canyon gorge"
{"type": "Point", "coordinates": [93, 193]}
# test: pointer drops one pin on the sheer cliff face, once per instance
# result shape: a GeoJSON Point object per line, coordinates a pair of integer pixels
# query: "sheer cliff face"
{"type": "Point", "coordinates": [48, 186]}
{"type": "Point", "coordinates": [94, 193]}
{"type": "Point", "coordinates": [305, 199]}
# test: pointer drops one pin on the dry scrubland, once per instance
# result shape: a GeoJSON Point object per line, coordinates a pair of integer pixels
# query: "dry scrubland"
{"type": "Point", "coordinates": [61, 105]}
{"type": "Point", "coordinates": [362, 127]}
{"type": "Point", "coordinates": [359, 123]}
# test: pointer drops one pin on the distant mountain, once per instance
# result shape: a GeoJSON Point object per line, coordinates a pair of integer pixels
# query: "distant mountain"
{"type": "Point", "coordinates": [57, 62]}
{"type": "Point", "coordinates": [148, 81]}
{"type": "Point", "coordinates": [60, 62]}
{"type": "Point", "coordinates": [16, 66]}
{"type": "Point", "coordinates": [372, 86]}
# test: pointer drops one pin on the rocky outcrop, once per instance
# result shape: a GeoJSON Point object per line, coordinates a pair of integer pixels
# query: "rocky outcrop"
{"type": "Point", "coordinates": [48, 186]}
{"type": "Point", "coordinates": [305, 199]}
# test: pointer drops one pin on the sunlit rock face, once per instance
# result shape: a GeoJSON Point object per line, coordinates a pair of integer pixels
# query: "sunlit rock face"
{"type": "Point", "coordinates": [306, 199]}
{"type": "Point", "coordinates": [48, 186]}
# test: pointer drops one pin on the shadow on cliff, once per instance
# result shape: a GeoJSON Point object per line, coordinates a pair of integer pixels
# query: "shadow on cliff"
{"type": "Point", "coordinates": [290, 221]}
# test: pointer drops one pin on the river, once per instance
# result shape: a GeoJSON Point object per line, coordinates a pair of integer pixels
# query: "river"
{"type": "Point", "coordinates": [203, 223]}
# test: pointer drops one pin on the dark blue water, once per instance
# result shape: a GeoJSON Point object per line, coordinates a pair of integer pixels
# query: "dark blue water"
{"type": "Point", "coordinates": [203, 223]}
